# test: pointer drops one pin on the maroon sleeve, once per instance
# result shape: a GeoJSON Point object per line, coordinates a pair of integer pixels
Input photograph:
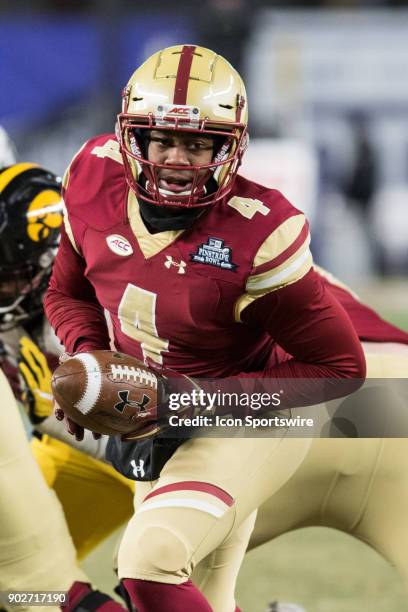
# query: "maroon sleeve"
{"type": "Point", "coordinates": [309, 323]}
{"type": "Point", "coordinates": [71, 305]}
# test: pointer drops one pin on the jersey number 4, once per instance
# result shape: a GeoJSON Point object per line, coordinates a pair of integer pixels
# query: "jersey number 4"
{"type": "Point", "coordinates": [137, 315]}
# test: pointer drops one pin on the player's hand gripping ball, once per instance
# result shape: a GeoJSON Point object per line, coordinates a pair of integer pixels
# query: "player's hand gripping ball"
{"type": "Point", "coordinates": [112, 393]}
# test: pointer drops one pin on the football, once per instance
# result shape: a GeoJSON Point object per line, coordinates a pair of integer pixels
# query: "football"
{"type": "Point", "coordinates": [108, 393]}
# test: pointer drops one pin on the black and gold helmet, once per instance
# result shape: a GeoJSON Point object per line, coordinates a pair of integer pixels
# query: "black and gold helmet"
{"type": "Point", "coordinates": [30, 223]}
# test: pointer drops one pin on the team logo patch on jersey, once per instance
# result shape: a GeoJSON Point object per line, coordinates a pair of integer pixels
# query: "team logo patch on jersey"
{"type": "Point", "coordinates": [214, 253]}
{"type": "Point", "coordinates": [119, 245]}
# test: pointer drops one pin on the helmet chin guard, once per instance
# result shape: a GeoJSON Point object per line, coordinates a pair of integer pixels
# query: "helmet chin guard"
{"type": "Point", "coordinates": [185, 89]}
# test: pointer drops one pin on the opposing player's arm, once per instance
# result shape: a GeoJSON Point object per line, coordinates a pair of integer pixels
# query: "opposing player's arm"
{"type": "Point", "coordinates": [71, 305]}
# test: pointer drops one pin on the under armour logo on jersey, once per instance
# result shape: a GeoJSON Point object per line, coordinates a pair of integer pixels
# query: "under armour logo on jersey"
{"type": "Point", "coordinates": [181, 265]}
{"type": "Point", "coordinates": [138, 470]}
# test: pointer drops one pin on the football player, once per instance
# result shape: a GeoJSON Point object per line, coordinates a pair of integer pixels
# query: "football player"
{"type": "Point", "coordinates": [356, 485]}
{"type": "Point", "coordinates": [36, 550]}
{"type": "Point", "coordinates": [201, 271]}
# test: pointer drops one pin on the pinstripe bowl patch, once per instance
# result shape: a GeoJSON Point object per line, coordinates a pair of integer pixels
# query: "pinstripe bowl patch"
{"type": "Point", "coordinates": [214, 253]}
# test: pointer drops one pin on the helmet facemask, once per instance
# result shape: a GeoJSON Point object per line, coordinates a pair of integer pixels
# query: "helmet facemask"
{"type": "Point", "coordinates": [209, 183]}
{"type": "Point", "coordinates": [22, 289]}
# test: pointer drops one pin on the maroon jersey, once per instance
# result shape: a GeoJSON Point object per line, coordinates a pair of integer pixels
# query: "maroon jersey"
{"type": "Point", "coordinates": [206, 301]}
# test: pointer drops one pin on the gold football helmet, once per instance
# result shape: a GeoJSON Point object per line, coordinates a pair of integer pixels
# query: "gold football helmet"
{"type": "Point", "coordinates": [190, 89]}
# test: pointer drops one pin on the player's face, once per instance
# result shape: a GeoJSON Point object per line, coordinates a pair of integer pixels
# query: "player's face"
{"type": "Point", "coordinates": [182, 150]}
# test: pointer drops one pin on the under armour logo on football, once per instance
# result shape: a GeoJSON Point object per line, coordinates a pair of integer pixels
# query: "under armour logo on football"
{"type": "Point", "coordinates": [171, 262]}
{"type": "Point", "coordinates": [138, 470]}
{"type": "Point", "coordinates": [124, 396]}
